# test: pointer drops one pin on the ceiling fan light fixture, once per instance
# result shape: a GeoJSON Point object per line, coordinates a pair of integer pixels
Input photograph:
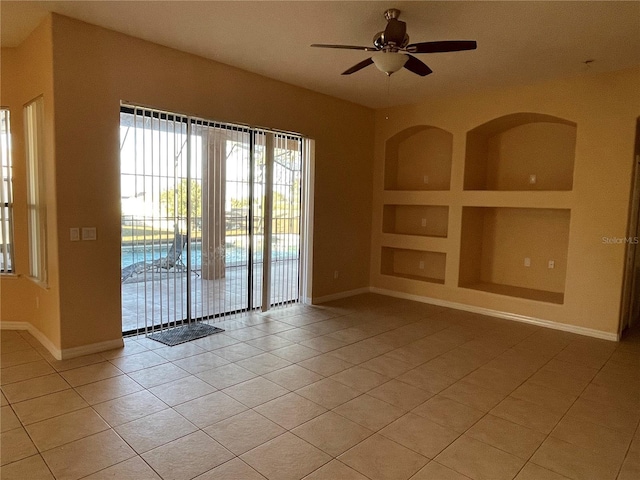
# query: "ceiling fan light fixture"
{"type": "Point", "coordinates": [389, 62]}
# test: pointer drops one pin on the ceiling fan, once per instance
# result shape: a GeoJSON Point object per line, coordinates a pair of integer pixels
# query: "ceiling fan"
{"type": "Point", "coordinates": [393, 50]}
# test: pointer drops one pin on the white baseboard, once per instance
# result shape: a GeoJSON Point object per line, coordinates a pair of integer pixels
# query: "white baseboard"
{"type": "Point", "coordinates": [14, 326]}
{"type": "Point", "coordinates": [66, 353]}
{"type": "Point", "coordinates": [589, 332]}
{"type": "Point", "coordinates": [46, 343]}
{"type": "Point", "coordinates": [37, 334]}
{"type": "Point", "coordinates": [92, 348]}
{"type": "Point", "coordinates": [339, 295]}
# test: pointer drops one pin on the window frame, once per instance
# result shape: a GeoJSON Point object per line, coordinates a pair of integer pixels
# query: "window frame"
{"type": "Point", "coordinates": [7, 266]}
{"type": "Point", "coordinates": [36, 189]}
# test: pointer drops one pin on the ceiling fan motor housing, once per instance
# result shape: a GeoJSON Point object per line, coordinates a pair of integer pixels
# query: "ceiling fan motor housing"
{"type": "Point", "coordinates": [391, 13]}
{"type": "Point", "coordinates": [381, 43]}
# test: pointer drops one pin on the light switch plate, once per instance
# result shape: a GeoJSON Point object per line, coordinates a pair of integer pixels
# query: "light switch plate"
{"type": "Point", "coordinates": [88, 233]}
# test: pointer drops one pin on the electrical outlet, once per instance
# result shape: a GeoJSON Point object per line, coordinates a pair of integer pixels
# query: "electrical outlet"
{"type": "Point", "coordinates": [425, 179]}
{"type": "Point", "coordinates": [74, 234]}
{"type": "Point", "coordinates": [552, 264]}
{"type": "Point", "coordinates": [335, 274]}
{"type": "Point", "coordinates": [421, 265]}
{"type": "Point", "coordinates": [533, 179]}
{"type": "Point", "coordinates": [527, 262]}
{"type": "Point", "coordinates": [424, 222]}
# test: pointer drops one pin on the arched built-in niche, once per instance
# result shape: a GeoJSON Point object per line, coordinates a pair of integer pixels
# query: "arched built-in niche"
{"type": "Point", "coordinates": [418, 158]}
{"type": "Point", "coordinates": [521, 151]}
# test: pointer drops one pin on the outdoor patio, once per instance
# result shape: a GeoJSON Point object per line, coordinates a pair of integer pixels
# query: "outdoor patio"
{"type": "Point", "coordinates": [161, 297]}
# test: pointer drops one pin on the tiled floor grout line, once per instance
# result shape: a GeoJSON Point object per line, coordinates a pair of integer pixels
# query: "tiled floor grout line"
{"type": "Point", "coordinates": [485, 413]}
{"type": "Point", "coordinates": [378, 432]}
{"type": "Point", "coordinates": [38, 452]}
{"type": "Point", "coordinates": [518, 386]}
{"type": "Point", "coordinates": [548, 435]}
{"type": "Point", "coordinates": [626, 453]}
{"type": "Point", "coordinates": [169, 361]}
{"type": "Point", "coordinates": [635, 432]}
{"type": "Point", "coordinates": [368, 315]}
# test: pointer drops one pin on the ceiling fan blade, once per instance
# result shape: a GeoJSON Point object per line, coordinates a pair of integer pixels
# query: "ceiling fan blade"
{"type": "Point", "coordinates": [358, 66]}
{"type": "Point", "coordinates": [417, 66]}
{"type": "Point", "coordinates": [395, 31]}
{"type": "Point", "coordinates": [446, 46]}
{"type": "Point", "coordinates": [345, 47]}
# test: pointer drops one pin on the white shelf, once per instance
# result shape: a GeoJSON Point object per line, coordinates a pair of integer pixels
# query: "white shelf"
{"type": "Point", "coordinates": [526, 293]}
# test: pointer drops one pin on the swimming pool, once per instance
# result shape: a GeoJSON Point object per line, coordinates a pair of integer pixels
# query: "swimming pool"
{"type": "Point", "coordinates": [235, 254]}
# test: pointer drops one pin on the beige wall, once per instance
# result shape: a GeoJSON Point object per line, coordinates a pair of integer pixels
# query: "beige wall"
{"type": "Point", "coordinates": [605, 108]}
{"type": "Point", "coordinates": [424, 161]}
{"type": "Point", "coordinates": [546, 150]}
{"type": "Point", "coordinates": [429, 221]}
{"type": "Point", "coordinates": [409, 262]}
{"type": "Point", "coordinates": [85, 71]}
{"type": "Point", "coordinates": [94, 69]}
{"type": "Point", "coordinates": [27, 73]}
{"type": "Point", "coordinates": [419, 159]}
{"type": "Point", "coordinates": [512, 234]}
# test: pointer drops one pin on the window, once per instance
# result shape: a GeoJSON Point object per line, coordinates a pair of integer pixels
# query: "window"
{"type": "Point", "coordinates": [36, 206]}
{"type": "Point", "coordinates": [6, 195]}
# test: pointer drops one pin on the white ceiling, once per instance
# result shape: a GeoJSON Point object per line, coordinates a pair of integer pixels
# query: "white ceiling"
{"type": "Point", "coordinates": [519, 42]}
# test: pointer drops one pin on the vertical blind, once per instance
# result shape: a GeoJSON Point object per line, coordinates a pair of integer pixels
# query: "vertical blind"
{"type": "Point", "coordinates": [6, 194]}
{"type": "Point", "coordinates": [209, 210]}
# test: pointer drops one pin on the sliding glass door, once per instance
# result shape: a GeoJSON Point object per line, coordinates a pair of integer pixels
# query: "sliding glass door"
{"type": "Point", "coordinates": [210, 219]}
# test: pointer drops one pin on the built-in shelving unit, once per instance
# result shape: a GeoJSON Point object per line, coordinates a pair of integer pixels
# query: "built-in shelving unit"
{"type": "Point", "coordinates": [522, 151]}
{"type": "Point", "coordinates": [419, 265]}
{"type": "Point", "coordinates": [519, 252]}
{"type": "Point", "coordinates": [511, 206]}
{"type": "Point", "coordinates": [418, 158]}
{"type": "Point", "coordinates": [423, 220]}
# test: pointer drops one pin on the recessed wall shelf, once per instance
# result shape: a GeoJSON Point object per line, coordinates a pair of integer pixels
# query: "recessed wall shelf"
{"type": "Point", "coordinates": [528, 293]}
{"type": "Point", "coordinates": [521, 151]}
{"type": "Point", "coordinates": [418, 158]}
{"type": "Point", "coordinates": [423, 220]}
{"type": "Point", "coordinates": [508, 251]}
{"type": "Point", "coordinates": [414, 264]}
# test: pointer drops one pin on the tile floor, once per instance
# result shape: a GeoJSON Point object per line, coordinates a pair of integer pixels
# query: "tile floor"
{"type": "Point", "coordinates": [363, 388]}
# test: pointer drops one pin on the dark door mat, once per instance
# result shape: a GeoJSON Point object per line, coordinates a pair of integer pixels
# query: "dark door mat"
{"type": "Point", "coordinates": [185, 333]}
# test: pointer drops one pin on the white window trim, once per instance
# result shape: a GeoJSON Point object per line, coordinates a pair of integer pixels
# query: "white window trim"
{"type": "Point", "coordinates": [36, 190]}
